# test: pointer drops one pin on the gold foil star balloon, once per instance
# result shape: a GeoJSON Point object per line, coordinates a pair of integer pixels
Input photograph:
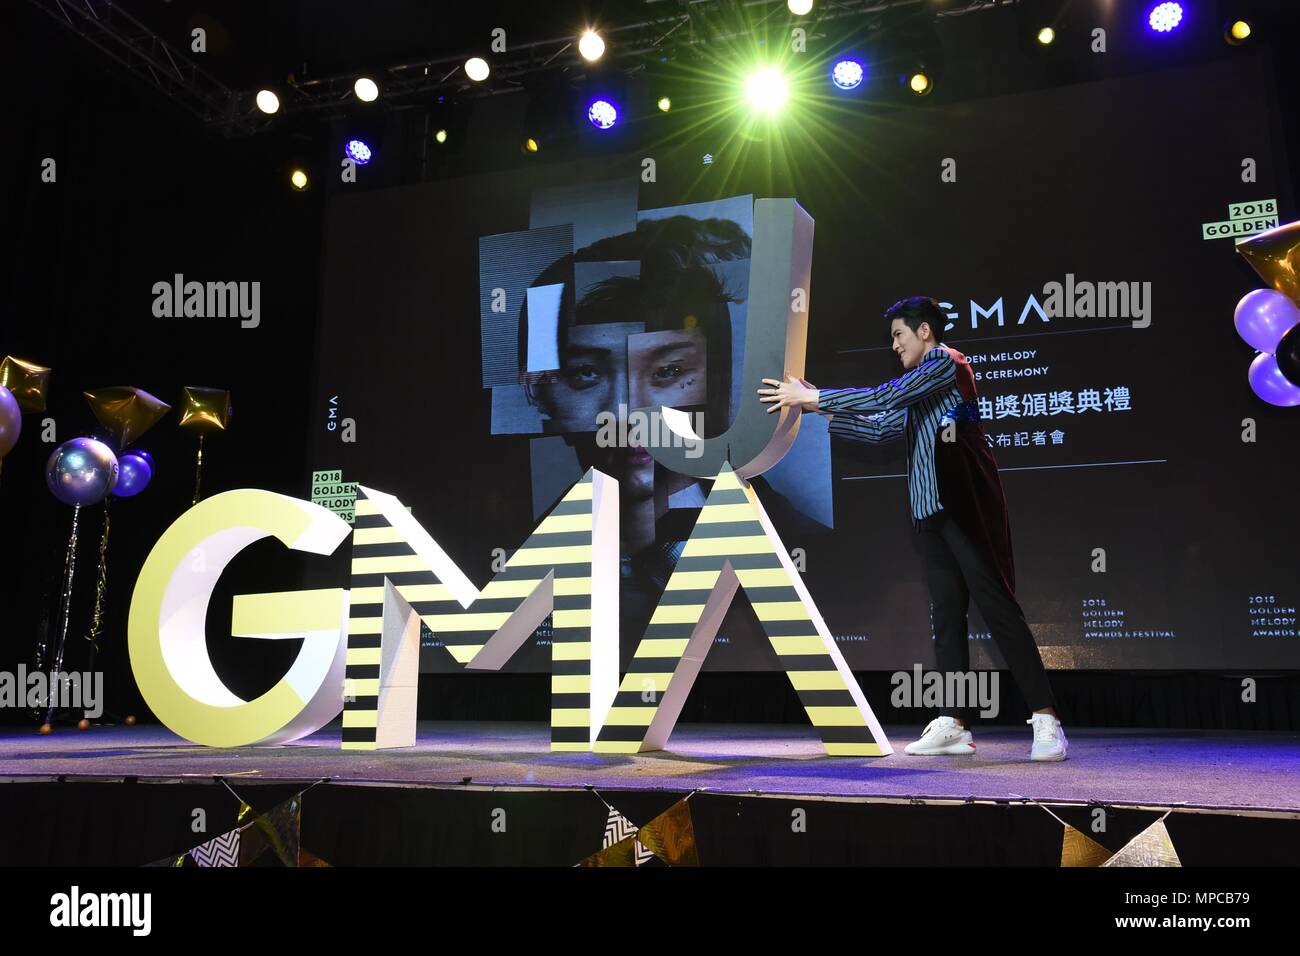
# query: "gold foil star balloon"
{"type": "Point", "coordinates": [1275, 255]}
{"type": "Point", "coordinates": [27, 380]}
{"type": "Point", "coordinates": [205, 409]}
{"type": "Point", "coordinates": [126, 411]}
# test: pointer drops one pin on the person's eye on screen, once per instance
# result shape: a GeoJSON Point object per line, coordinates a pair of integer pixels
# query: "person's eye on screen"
{"type": "Point", "coordinates": [667, 374]}
{"type": "Point", "coordinates": [582, 376]}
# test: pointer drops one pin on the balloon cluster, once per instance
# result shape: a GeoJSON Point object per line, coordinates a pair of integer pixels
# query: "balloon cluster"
{"type": "Point", "coordinates": [85, 471]}
{"type": "Point", "coordinates": [92, 470]}
{"type": "Point", "coordinates": [1268, 319]}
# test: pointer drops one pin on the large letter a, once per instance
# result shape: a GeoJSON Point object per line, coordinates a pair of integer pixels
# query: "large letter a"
{"type": "Point", "coordinates": [734, 545]}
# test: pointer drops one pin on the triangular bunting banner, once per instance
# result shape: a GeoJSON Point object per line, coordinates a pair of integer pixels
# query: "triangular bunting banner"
{"type": "Point", "coordinates": [219, 851]}
{"type": "Point", "coordinates": [621, 853]}
{"type": "Point", "coordinates": [308, 858]}
{"type": "Point", "coordinates": [671, 837]}
{"type": "Point", "coordinates": [617, 829]}
{"type": "Point", "coordinates": [1151, 847]}
{"type": "Point", "coordinates": [279, 830]}
{"type": "Point", "coordinates": [640, 855]}
{"type": "Point", "coordinates": [1079, 849]}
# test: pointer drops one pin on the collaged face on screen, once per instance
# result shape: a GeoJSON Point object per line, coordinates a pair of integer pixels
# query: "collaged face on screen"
{"type": "Point", "coordinates": [601, 315]}
{"type": "Point", "coordinates": [642, 309]}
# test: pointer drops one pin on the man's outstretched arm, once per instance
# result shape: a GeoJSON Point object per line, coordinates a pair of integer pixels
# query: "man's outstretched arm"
{"type": "Point", "coordinates": [936, 373]}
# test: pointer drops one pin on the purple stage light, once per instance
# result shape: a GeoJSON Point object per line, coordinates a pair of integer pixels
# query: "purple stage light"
{"type": "Point", "coordinates": [358, 151]}
{"type": "Point", "coordinates": [602, 114]}
{"type": "Point", "coordinates": [1165, 17]}
{"type": "Point", "coordinates": [847, 74]}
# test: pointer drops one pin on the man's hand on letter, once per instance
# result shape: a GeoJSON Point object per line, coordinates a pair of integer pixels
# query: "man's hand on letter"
{"type": "Point", "coordinates": [794, 392]}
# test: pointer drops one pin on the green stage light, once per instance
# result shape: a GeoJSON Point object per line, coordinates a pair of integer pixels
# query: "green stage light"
{"type": "Point", "coordinates": [766, 90]}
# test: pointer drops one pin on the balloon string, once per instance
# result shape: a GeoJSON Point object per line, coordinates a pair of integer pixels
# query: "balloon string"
{"type": "Point", "coordinates": [101, 585]}
{"type": "Point", "coordinates": [69, 566]}
{"type": "Point", "coordinates": [41, 657]}
{"type": "Point", "coordinates": [198, 471]}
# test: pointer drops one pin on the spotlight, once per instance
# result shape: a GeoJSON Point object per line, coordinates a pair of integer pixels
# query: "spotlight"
{"type": "Point", "coordinates": [529, 146]}
{"type": "Point", "coordinates": [847, 74]}
{"type": "Point", "coordinates": [476, 69]}
{"type": "Point", "coordinates": [766, 91]}
{"type": "Point", "coordinates": [1237, 32]}
{"type": "Point", "coordinates": [268, 102]}
{"type": "Point", "coordinates": [591, 46]}
{"type": "Point", "coordinates": [920, 83]}
{"type": "Point", "coordinates": [448, 123]}
{"type": "Point", "coordinates": [1046, 35]}
{"type": "Point", "coordinates": [602, 114]}
{"type": "Point", "coordinates": [358, 151]}
{"type": "Point", "coordinates": [665, 104]}
{"type": "Point", "coordinates": [799, 7]}
{"type": "Point", "coordinates": [1165, 17]}
{"type": "Point", "coordinates": [367, 90]}
{"type": "Point", "coordinates": [298, 180]}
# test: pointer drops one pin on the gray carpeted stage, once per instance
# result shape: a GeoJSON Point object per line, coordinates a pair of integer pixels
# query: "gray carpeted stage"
{"type": "Point", "coordinates": [1159, 768]}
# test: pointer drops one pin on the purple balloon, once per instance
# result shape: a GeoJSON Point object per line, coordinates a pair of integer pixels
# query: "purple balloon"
{"type": "Point", "coordinates": [11, 421]}
{"type": "Point", "coordinates": [81, 471]}
{"type": "Point", "coordinates": [1263, 316]}
{"type": "Point", "coordinates": [133, 474]}
{"type": "Point", "coordinates": [145, 455]}
{"type": "Point", "coordinates": [1270, 384]}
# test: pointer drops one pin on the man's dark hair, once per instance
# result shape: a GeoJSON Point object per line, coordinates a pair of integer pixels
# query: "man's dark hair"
{"type": "Point", "coordinates": [917, 309]}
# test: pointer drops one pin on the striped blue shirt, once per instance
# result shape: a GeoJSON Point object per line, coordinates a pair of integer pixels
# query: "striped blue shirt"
{"type": "Point", "coordinates": [915, 405]}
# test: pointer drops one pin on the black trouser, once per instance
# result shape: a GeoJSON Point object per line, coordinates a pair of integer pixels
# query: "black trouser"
{"type": "Point", "coordinates": [957, 571]}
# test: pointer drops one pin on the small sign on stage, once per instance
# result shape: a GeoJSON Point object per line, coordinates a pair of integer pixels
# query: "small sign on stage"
{"type": "Point", "coordinates": [1244, 219]}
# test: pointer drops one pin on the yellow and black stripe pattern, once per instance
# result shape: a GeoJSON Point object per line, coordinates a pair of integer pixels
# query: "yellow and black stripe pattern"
{"type": "Point", "coordinates": [560, 548]}
{"type": "Point", "coordinates": [730, 532]}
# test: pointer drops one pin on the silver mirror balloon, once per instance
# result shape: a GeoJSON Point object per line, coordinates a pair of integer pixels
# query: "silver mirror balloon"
{"type": "Point", "coordinates": [80, 472]}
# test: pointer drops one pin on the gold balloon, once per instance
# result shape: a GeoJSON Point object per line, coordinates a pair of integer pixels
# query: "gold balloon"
{"type": "Point", "coordinates": [205, 409]}
{"type": "Point", "coordinates": [126, 411]}
{"type": "Point", "coordinates": [27, 380]}
{"type": "Point", "coordinates": [1275, 255]}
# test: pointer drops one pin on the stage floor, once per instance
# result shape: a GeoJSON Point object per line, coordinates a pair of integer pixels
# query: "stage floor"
{"type": "Point", "coordinates": [1141, 767]}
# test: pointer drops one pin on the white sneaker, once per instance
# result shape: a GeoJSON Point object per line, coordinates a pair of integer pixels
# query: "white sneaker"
{"type": "Point", "coordinates": [943, 735]}
{"type": "Point", "coordinates": [1049, 738]}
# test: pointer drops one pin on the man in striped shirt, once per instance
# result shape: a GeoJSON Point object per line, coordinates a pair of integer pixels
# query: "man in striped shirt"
{"type": "Point", "coordinates": [958, 509]}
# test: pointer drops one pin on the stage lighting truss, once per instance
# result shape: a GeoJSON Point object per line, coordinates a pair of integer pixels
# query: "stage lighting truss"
{"type": "Point", "coordinates": [694, 27]}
